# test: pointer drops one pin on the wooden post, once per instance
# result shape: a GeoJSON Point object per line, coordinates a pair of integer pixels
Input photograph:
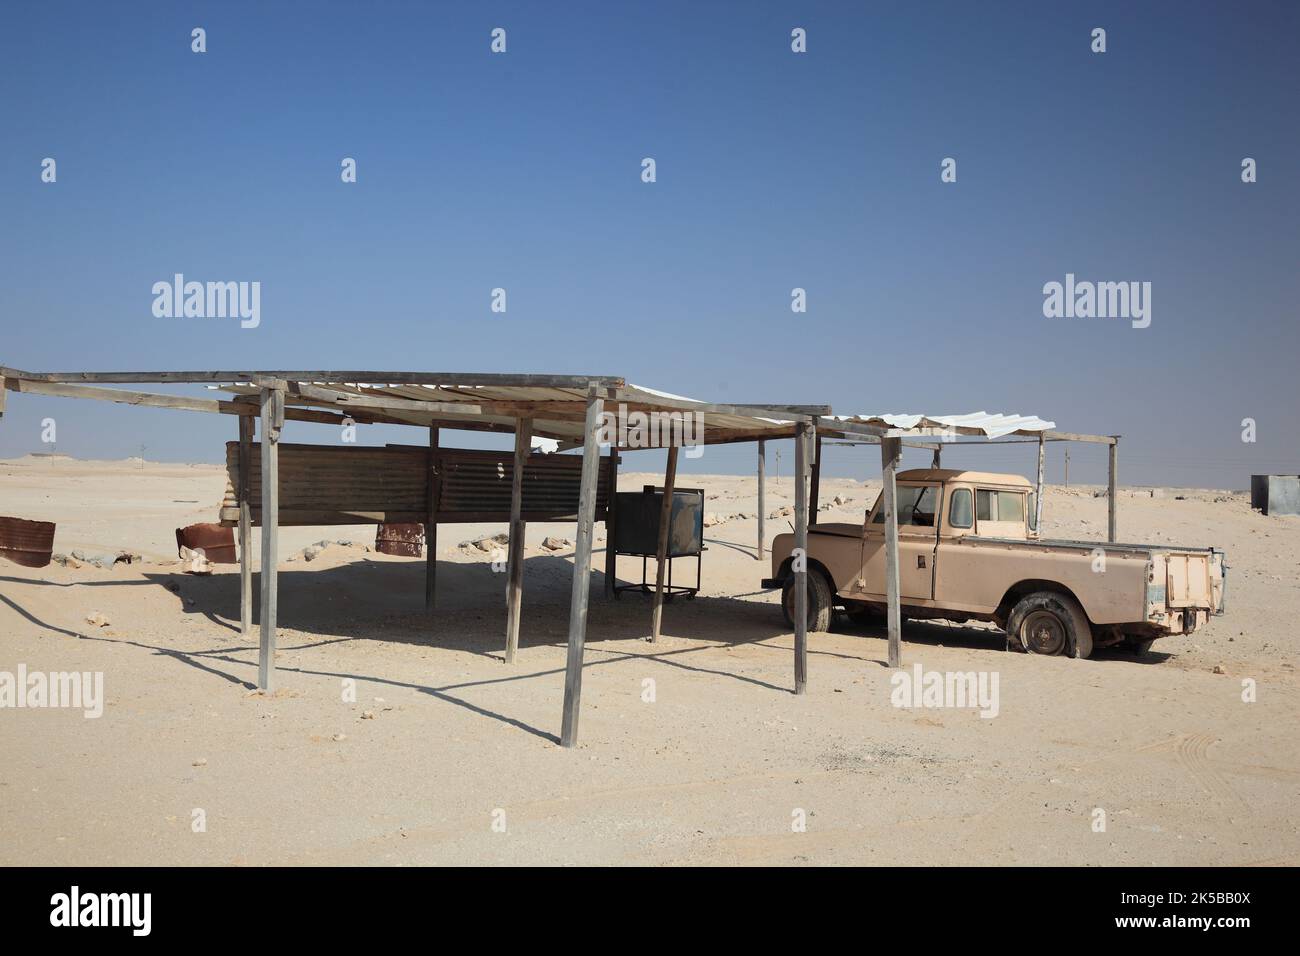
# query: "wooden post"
{"type": "Point", "coordinates": [890, 451]}
{"type": "Point", "coordinates": [611, 497]}
{"type": "Point", "coordinates": [762, 508]}
{"type": "Point", "coordinates": [2, 396]}
{"type": "Point", "coordinates": [515, 565]}
{"type": "Point", "coordinates": [245, 525]}
{"type": "Point", "coordinates": [661, 548]}
{"type": "Point", "coordinates": [1038, 497]}
{"type": "Point", "coordinates": [272, 421]}
{"type": "Point", "coordinates": [581, 570]}
{"type": "Point", "coordinates": [431, 526]}
{"type": "Point", "coordinates": [936, 459]}
{"type": "Point", "coordinates": [814, 496]}
{"type": "Point", "coordinates": [1067, 466]}
{"type": "Point", "coordinates": [1111, 530]}
{"type": "Point", "coordinates": [800, 564]}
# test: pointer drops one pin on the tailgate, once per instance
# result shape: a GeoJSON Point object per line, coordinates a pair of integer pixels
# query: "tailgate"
{"type": "Point", "coordinates": [1193, 578]}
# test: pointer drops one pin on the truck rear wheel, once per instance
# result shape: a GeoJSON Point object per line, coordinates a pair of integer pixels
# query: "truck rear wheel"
{"type": "Point", "coordinates": [1046, 622]}
{"type": "Point", "coordinates": [819, 601]}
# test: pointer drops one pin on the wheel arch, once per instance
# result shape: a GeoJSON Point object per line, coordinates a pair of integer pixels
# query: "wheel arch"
{"type": "Point", "coordinates": [1029, 586]}
{"type": "Point", "coordinates": [813, 566]}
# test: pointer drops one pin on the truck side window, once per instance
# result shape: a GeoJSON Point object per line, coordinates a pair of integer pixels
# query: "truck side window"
{"type": "Point", "coordinates": [959, 515]}
{"type": "Point", "coordinates": [916, 506]}
{"type": "Point", "coordinates": [999, 505]}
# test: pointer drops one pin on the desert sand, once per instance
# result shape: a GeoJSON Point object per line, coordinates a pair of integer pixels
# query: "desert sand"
{"type": "Point", "coordinates": [449, 756]}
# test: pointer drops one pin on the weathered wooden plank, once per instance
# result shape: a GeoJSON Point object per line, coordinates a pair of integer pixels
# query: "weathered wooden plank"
{"type": "Point", "coordinates": [433, 486]}
{"type": "Point", "coordinates": [1112, 525]}
{"type": "Point", "coordinates": [515, 560]}
{"type": "Point", "coordinates": [762, 508]}
{"type": "Point", "coordinates": [272, 408]}
{"type": "Point", "coordinates": [890, 451]}
{"type": "Point", "coordinates": [581, 573]}
{"type": "Point", "coordinates": [611, 551]}
{"type": "Point", "coordinates": [1038, 495]}
{"type": "Point", "coordinates": [800, 565]}
{"type": "Point", "coordinates": [245, 527]}
{"type": "Point", "coordinates": [468, 379]}
{"type": "Point", "coordinates": [125, 397]}
{"type": "Point", "coordinates": [814, 495]}
{"type": "Point", "coordinates": [741, 411]}
{"type": "Point", "coordinates": [661, 546]}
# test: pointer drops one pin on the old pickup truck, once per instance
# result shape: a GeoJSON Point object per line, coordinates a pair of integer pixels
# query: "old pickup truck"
{"type": "Point", "coordinates": [969, 550]}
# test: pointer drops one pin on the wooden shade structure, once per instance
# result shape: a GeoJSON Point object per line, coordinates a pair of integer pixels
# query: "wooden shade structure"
{"type": "Point", "coordinates": [569, 409]}
{"type": "Point", "coordinates": [417, 484]}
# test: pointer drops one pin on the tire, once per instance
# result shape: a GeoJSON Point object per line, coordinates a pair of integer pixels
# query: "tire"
{"type": "Point", "coordinates": [1140, 648]}
{"type": "Point", "coordinates": [819, 601]}
{"type": "Point", "coordinates": [1047, 622]}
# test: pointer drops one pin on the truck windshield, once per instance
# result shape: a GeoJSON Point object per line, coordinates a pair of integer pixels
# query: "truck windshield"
{"type": "Point", "coordinates": [917, 505]}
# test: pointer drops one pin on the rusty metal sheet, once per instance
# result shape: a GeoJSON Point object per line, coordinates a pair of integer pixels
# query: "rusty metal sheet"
{"type": "Point", "coordinates": [29, 543]}
{"type": "Point", "coordinates": [216, 543]}
{"type": "Point", "coordinates": [403, 540]}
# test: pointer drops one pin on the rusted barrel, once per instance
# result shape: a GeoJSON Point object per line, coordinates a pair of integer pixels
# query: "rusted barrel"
{"type": "Point", "coordinates": [403, 540]}
{"type": "Point", "coordinates": [216, 543]}
{"type": "Point", "coordinates": [29, 543]}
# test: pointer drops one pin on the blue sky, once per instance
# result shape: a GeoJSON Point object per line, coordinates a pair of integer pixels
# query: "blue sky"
{"type": "Point", "coordinates": [775, 170]}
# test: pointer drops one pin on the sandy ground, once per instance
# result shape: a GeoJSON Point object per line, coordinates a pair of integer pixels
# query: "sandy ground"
{"type": "Point", "coordinates": [443, 739]}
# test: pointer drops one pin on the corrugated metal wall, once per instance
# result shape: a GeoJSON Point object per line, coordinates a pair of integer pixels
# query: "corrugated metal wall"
{"type": "Point", "coordinates": [329, 484]}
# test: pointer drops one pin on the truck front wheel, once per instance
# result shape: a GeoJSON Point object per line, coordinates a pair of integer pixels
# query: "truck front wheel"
{"type": "Point", "coordinates": [819, 601]}
{"type": "Point", "coordinates": [1046, 622]}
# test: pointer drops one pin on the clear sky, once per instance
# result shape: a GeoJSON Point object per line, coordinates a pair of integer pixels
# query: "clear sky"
{"type": "Point", "coordinates": [775, 170]}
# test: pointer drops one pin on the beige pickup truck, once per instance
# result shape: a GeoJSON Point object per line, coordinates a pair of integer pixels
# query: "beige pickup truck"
{"type": "Point", "coordinates": [968, 550]}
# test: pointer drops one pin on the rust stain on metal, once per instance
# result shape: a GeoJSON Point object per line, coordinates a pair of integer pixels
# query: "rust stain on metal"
{"type": "Point", "coordinates": [29, 543]}
{"type": "Point", "coordinates": [403, 540]}
{"type": "Point", "coordinates": [216, 543]}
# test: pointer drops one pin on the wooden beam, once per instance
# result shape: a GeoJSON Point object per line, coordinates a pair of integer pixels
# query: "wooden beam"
{"type": "Point", "coordinates": [1038, 496]}
{"type": "Point", "coordinates": [730, 436]}
{"type": "Point", "coordinates": [890, 451]}
{"type": "Point", "coordinates": [815, 494]}
{"type": "Point", "coordinates": [339, 399]}
{"type": "Point", "coordinates": [762, 508]}
{"type": "Point", "coordinates": [125, 397]}
{"type": "Point", "coordinates": [1112, 531]}
{"type": "Point", "coordinates": [468, 379]}
{"type": "Point", "coordinates": [581, 571]}
{"type": "Point", "coordinates": [661, 548]}
{"type": "Point", "coordinates": [800, 564]}
{"type": "Point", "coordinates": [2, 396]}
{"type": "Point", "coordinates": [245, 526]}
{"type": "Point", "coordinates": [515, 563]}
{"type": "Point", "coordinates": [431, 525]}
{"type": "Point", "coordinates": [238, 406]}
{"type": "Point", "coordinates": [1071, 436]}
{"type": "Point", "coordinates": [611, 525]}
{"type": "Point", "coordinates": [272, 422]}
{"type": "Point", "coordinates": [741, 411]}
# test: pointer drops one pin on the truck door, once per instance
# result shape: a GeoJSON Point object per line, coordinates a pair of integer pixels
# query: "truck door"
{"type": "Point", "coordinates": [918, 537]}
